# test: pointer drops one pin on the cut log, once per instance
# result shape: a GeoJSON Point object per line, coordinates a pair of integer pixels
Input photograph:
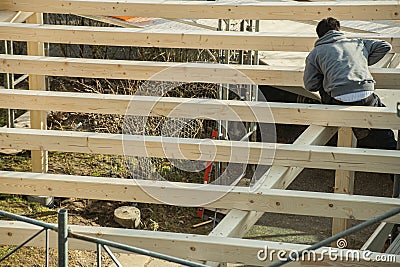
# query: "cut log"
{"type": "Point", "coordinates": [127, 216]}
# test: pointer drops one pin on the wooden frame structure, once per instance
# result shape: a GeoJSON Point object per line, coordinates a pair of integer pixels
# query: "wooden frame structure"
{"type": "Point", "coordinates": [143, 70]}
{"type": "Point", "coordinates": [308, 151]}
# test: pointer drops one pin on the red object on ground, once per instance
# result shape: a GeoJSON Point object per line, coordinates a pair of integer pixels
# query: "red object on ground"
{"type": "Point", "coordinates": [207, 172]}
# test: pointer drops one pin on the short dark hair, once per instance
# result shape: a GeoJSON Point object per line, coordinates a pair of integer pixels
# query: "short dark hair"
{"type": "Point", "coordinates": [326, 25]}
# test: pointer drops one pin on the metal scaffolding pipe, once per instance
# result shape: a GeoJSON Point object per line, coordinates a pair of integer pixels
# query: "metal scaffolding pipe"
{"type": "Point", "coordinates": [21, 245]}
{"type": "Point", "coordinates": [331, 239]}
{"type": "Point", "coordinates": [28, 220]}
{"type": "Point", "coordinates": [62, 238]}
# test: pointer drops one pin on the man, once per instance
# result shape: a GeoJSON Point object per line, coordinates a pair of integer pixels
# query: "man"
{"type": "Point", "coordinates": [337, 68]}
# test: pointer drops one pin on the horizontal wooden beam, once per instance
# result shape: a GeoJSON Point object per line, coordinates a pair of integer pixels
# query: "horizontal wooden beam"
{"type": "Point", "coordinates": [196, 247]}
{"type": "Point", "coordinates": [168, 71]}
{"type": "Point", "coordinates": [160, 38]}
{"type": "Point", "coordinates": [264, 41]}
{"type": "Point", "coordinates": [230, 110]}
{"type": "Point", "coordinates": [354, 159]}
{"type": "Point", "coordinates": [382, 10]}
{"type": "Point", "coordinates": [193, 195]}
{"type": "Point", "coordinates": [146, 70]}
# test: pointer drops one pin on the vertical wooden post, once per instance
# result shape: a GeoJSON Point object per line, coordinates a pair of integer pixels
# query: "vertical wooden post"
{"type": "Point", "coordinates": [344, 180]}
{"type": "Point", "coordinates": [38, 119]}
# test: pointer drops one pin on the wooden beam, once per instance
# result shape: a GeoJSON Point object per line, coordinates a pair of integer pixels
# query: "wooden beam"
{"type": "Point", "coordinates": [264, 41]}
{"type": "Point", "coordinates": [353, 159]}
{"type": "Point", "coordinates": [344, 180]}
{"type": "Point", "coordinates": [14, 17]}
{"type": "Point", "coordinates": [377, 240]}
{"type": "Point", "coordinates": [380, 75]}
{"type": "Point", "coordinates": [196, 195]}
{"type": "Point", "coordinates": [369, 160]}
{"type": "Point", "coordinates": [231, 110]}
{"type": "Point", "coordinates": [7, 16]}
{"type": "Point", "coordinates": [189, 246]}
{"type": "Point", "coordinates": [383, 10]}
{"type": "Point", "coordinates": [146, 70]}
{"type": "Point", "coordinates": [38, 119]}
{"type": "Point", "coordinates": [168, 71]}
{"type": "Point", "coordinates": [159, 38]}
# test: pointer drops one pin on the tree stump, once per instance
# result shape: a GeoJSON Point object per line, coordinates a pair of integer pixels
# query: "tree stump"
{"type": "Point", "coordinates": [127, 216]}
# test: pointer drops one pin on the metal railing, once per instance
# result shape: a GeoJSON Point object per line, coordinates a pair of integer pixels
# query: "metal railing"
{"type": "Point", "coordinates": [336, 237]}
{"type": "Point", "coordinates": [64, 233]}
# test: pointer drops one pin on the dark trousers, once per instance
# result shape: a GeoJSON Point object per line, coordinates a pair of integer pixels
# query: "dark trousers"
{"type": "Point", "coordinates": [374, 138]}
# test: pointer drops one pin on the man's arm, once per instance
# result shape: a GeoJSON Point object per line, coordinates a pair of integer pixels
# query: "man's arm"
{"type": "Point", "coordinates": [376, 50]}
{"type": "Point", "coordinates": [312, 77]}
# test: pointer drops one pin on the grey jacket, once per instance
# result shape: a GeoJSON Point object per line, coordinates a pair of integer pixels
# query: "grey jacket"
{"type": "Point", "coordinates": [340, 65]}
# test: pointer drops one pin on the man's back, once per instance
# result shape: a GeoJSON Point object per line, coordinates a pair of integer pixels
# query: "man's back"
{"type": "Point", "coordinates": [340, 65]}
{"type": "Point", "coordinates": [338, 68]}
